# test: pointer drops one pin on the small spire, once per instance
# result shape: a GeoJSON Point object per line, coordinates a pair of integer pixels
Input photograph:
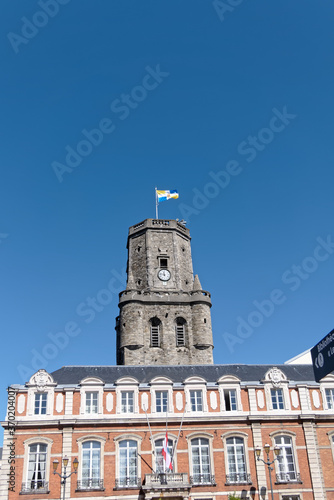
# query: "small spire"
{"type": "Point", "coordinates": [197, 284]}
{"type": "Point", "coordinates": [130, 285]}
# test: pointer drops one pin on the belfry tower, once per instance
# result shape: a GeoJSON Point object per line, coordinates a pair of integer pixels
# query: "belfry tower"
{"type": "Point", "coordinates": [164, 315]}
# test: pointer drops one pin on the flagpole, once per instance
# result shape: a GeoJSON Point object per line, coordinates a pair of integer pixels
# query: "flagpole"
{"type": "Point", "coordinates": [166, 438]}
{"type": "Point", "coordinates": [156, 204]}
{"type": "Point", "coordinates": [153, 443]}
{"type": "Point", "coordinates": [177, 440]}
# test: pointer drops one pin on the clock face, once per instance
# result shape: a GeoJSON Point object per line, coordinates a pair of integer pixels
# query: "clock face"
{"type": "Point", "coordinates": [164, 275]}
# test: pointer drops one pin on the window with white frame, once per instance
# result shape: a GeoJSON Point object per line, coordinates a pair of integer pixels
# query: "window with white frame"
{"type": "Point", "coordinates": [127, 402]}
{"type": "Point", "coordinates": [40, 403]}
{"type": "Point", "coordinates": [91, 402]}
{"type": "Point", "coordinates": [196, 400]}
{"type": "Point", "coordinates": [91, 396]}
{"type": "Point", "coordinates": [161, 401]}
{"type": "Point", "coordinates": [128, 464]}
{"type": "Point", "coordinates": [230, 399]}
{"type": "Point", "coordinates": [230, 393]}
{"type": "Point", "coordinates": [330, 398]}
{"type": "Point", "coordinates": [36, 477]}
{"type": "Point", "coordinates": [91, 466]}
{"type": "Point", "coordinates": [160, 464]}
{"type": "Point", "coordinates": [286, 461]}
{"type": "Point", "coordinates": [200, 457]}
{"type": "Point", "coordinates": [236, 460]}
{"type": "Point", "coordinates": [277, 399]}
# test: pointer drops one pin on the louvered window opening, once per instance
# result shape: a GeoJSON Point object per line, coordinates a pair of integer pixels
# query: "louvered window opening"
{"type": "Point", "coordinates": [155, 336]}
{"type": "Point", "coordinates": [180, 336]}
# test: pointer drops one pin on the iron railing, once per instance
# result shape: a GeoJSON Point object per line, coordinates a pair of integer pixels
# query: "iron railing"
{"type": "Point", "coordinates": [238, 478]}
{"type": "Point", "coordinates": [288, 477]}
{"type": "Point", "coordinates": [40, 486]}
{"type": "Point", "coordinates": [90, 484]}
{"type": "Point", "coordinates": [198, 479]}
{"type": "Point", "coordinates": [128, 482]}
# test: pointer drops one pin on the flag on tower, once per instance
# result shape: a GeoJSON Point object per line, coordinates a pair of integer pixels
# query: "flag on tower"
{"type": "Point", "coordinates": [167, 195]}
{"type": "Point", "coordinates": [166, 454]}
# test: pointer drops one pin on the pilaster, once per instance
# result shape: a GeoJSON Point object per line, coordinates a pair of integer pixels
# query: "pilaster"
{"type": "Point", "coordinates": [312, 447]}
{"type": "Point", "coordinates": [260, 467]}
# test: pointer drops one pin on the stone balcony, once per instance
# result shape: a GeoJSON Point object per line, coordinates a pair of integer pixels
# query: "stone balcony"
{"type": "Point", "coordinates": [175, 483]}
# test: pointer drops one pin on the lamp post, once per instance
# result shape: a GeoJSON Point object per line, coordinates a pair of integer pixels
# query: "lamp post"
{"type": "Point", "coordinates": [65, 476]}
{"type": "Point", "coordinates": [267, 462]}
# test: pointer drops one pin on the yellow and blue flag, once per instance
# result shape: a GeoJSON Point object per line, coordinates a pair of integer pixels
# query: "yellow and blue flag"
{"type": "Point", "coordinates": [167, 195]}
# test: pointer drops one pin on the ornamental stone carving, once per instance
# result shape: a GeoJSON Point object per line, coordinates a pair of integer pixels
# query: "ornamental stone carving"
{"type": "Point", "coordinates": [179, 401]}
{"type": "Point", "coordinates": [294, 398]}
{"type": "Point", "coordinates": [144, 402]}
{"type": "Point", "coordinates": [21, 403]}
{"type": "Point", "coordinates": [59, 403]}
{"type": "Point", "coordinates": [260, 399]}
{"type": "Point", "coordinates": [316, 399]}
{"type": "Point", "coordinates": [213, 400]}
{"type": "Point", "coordinates": [275, 376]}
{"type": "Point", "coordinates": [41, 380]}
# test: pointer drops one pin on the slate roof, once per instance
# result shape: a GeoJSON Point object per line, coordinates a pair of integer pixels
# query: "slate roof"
{"type": "Point", "coordinates": [211, 373]}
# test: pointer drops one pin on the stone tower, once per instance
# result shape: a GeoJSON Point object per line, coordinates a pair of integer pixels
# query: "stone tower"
{"type": "Point", "coordinates": [164, 315]}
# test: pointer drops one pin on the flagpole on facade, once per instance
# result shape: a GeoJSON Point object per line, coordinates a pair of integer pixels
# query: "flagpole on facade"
{"type": "Point", "coordinates": [153, 443]}
{"type": "Point", "coordinates": [166, 437]}
{"type": "Point", "coordinates": [177, 440]}
{"type": "Point", "coordinates": [156, 204]}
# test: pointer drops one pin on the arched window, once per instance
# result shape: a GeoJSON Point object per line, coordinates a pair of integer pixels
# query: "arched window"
{"type": "Point", "coordinates": [91, 465]}
{"type": "Point", "coordinates": [180, 332]}
{"type": "Point", "coordinates": [286, 460]}
{"type": "Point", "coordinates": [155, 329]}
{"type": "Point", "coordinates": [200, 456]}
{"type": "Point", "coordinates": [36, 479]}
{"type": "Point", "coordinates": [236, 461]}
{"type": "Point", "coordinates": [128, 464]}
{"type": "Point", "coordinates": [160, 464]}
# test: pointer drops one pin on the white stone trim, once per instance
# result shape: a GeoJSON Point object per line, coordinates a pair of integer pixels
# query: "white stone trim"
{"type": "Point", "coordinates": [292, 435]}
{"type": "Point", "coordinates": [91, 385]}
{"type": "Point", "coordinates": [84, 439]}
{"type": "Point", "coordinates": [204, 435]}
{"type": "Point", "coordinates": [128, 437]}
{"type": "Point", "coordinates": [36, 440]}
{"type": "Point", "coordinates": [161, 384]}
{"type": "Point", "coordinates": [238, 434]}
{"type": "Point", "coordinates": [195, 384]}
{"type": "Point", "coordinates": [326, 383]}
{"type": "Point", "coordinates": [229, 382]}
{"type": "Point", "coordinates": [127, 384]}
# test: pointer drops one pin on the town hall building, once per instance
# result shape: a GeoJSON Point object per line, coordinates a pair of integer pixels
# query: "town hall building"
{"type": "Point", "coordinates": [244, 430]}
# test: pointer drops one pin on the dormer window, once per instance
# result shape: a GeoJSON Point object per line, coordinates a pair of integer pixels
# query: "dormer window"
{"type": "Point", "coordinates": [230, 399]}
{"type": "Point", "coordinates": [230, 393]}
{"type": "Point", "coordinates": [92, 402]}
{"type": "Point", "coordinates": [330, 398]}
{"type": "Point", "coordinates": [91, 393]}
{"type": "Point", "coordinates": [40, 403]}
{"type": "Point", "coordinates": [277, 399]}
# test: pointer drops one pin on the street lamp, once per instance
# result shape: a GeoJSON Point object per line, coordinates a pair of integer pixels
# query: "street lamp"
{"type": "Point", "coordinates": [63, 477]}
{"type": "Point", "coordinates": [277, 451]}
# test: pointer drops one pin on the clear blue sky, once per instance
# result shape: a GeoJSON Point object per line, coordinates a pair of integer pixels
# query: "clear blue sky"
{"type": "Point", "coordinates": [231, 106]}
